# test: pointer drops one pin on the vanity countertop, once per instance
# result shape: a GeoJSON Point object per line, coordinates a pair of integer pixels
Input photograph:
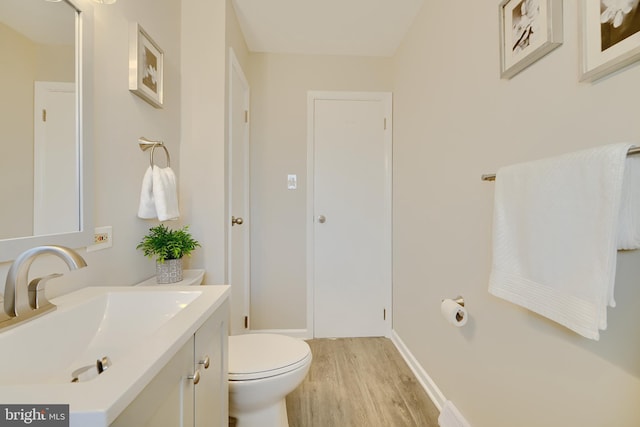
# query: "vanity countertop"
{"type": "Point", "coordinates": [189, 277]}
{"type": "Point", "coordinates": [59, 337]}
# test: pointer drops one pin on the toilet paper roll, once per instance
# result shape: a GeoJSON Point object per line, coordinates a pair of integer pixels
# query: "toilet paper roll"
{"type": "Point", "coordinates": [454, 312]}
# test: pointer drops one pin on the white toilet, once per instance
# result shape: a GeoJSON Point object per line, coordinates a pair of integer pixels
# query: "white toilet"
{"type": "Point", "coordinates": [263, 369]}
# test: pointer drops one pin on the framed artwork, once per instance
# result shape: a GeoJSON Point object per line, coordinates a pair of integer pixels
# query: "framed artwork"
{"type": "Point", "coordinates": [529, 29]}
{"type": "Point", "coordinates": [146, 66]}
{"type": "Point", "coordinates": [610, 39]}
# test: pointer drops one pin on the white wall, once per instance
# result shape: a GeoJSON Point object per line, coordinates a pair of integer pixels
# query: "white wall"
{"type": "Point", "coordinates": [56, 63]}
{"type": "Point", "coordinates": [120, 118]}
{"type": "Point", "coordinates": [16, 127]}
{"type": "Point", "coordinates": [202, 187]}
{"type": "Point", "coordinates": [25, 62]}
{"type": "Point", "coordinates": [454, 120]}
{"type": "Point", "coordinates": [235, 39]}
{"type": "Point", "coordinates": [192, 34]}
{"type": "Point", "coordinates": [209, 29]}
{"type": "Point", "coordinates": [279, 86]}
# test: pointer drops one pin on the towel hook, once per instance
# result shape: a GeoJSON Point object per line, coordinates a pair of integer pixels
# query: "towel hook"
{"type": "Point", "coordinates": [145, 144]}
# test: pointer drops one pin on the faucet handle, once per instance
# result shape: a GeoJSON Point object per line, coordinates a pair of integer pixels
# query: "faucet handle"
{"type": "Point", "coordinates": [37, 298]}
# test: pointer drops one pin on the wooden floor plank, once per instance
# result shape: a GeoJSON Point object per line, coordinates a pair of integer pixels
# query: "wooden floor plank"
{"type": "Point", "coordinates": [359, 382]}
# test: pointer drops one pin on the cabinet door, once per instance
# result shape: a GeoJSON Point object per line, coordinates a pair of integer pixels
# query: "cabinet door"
{"type": "Point", "coordinates": [212, 392]}
{"type": "Point", "coordinates": [167, 401]}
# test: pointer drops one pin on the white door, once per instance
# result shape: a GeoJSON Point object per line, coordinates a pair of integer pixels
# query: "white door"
{"type": "Point", "coordinates": [350, 250]}
{"type": "Point", "coordinates": [239, 238]}
{"type": "Point", "coordinates": [56, 174]}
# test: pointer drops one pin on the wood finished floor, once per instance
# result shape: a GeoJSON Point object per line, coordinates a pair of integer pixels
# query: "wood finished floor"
{"type": "Point", "coordinates": [359, 382]}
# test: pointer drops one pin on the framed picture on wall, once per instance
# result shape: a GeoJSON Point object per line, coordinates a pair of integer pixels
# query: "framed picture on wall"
{"type": "Point", "coordinates": [610, 32]}
{"type": "Point", "coordinates": [146, 66]}
{"type": "Point", "coordinates": [529, 29]}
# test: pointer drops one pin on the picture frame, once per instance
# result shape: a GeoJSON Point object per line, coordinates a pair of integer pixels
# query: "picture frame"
{"type": "Point", "coordinates": [611, 45]}
{"type": "Point", "coordinates": [146, 66]}
{"type": "Point", "coordinates": [529, 29]}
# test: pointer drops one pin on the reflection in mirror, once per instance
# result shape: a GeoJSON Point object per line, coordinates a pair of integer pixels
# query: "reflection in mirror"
{"type": "Point", "coordinates": [39, 132]}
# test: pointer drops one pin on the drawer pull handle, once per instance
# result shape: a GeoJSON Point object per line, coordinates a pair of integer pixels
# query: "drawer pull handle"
{"type": "Point", "coordinates": [195, 377]}
{"type": "Point", "coordinates": [205, 362]}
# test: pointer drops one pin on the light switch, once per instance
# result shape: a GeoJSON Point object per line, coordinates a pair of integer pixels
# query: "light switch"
{"type": "Point", "coordinates": [292, 182]}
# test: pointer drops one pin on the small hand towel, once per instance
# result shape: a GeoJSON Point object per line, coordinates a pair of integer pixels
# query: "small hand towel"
{"type": "Point", "coordinates": [165, 193]}
{"type": "Point", "coordinates": [147, 207]}
{"type": "Point", "coordinates": [555, 235]}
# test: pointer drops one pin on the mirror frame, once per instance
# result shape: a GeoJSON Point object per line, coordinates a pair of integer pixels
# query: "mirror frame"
{"type": "Point", "coordinates": [11, 248]}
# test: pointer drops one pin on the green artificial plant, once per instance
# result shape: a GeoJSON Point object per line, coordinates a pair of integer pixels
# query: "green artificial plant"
{"type": "Point", "coordinates": [164, 243]}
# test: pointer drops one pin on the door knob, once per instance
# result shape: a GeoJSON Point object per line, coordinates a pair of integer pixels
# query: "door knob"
{"type": "Point", "coordinates": [322, 219]}
{"type": "Point", "coordinates": [236, 221]}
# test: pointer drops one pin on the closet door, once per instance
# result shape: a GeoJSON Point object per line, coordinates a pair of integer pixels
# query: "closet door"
{"type": "Point", "coordinates": [351, 231]}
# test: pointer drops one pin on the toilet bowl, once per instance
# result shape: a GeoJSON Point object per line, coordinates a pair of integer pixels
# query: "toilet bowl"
{"type": "Point", "coordinates": [263, 369]}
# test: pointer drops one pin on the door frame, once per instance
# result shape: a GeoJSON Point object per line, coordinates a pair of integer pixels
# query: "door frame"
{"type": "Point", "coordinates": [386, 98]}
{"type": "Point", "coordinates": [235, 67]}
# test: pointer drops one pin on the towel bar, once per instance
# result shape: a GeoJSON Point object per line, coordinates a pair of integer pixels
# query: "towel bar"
{"type": "Point", "coordinates": [492, 176]}
{"type": "Point", "coordinates": [145, 144]}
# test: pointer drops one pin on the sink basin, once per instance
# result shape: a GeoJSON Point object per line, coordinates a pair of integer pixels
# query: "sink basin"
{"type": "Point", "coordinates": [53, 346]}
{"type": "Point", "coordinates": [139, 329]}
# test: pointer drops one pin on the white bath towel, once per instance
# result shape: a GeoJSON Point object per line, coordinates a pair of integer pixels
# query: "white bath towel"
{"type": "Point", "coordinates": [555, 234]}
{"type": "Point", "coordinates": [165, 193]}
{"type": "Point", "coordinates": [629, 236]}
{"type": "Point", "coordinates": [451, 417]}
{"type": "Point", "coordinates": [147, 207]}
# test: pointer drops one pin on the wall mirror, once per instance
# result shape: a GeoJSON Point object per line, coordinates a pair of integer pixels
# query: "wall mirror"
{"type": "Point", "coordinates": [45, 122]}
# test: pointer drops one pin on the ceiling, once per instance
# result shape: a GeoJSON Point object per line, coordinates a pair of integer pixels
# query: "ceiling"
{"type": "Point", "coordinates": [328, 27]}
{"type": "Point", "coordinates": [41, 21]}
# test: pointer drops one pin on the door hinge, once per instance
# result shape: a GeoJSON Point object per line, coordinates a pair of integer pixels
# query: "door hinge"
{"type": "Point", "coordinates": [44, 115]}
{"type": "Point", "coordinates": [246, 322]}
{"type": "Point", "coordinates": [246, 116]}
{"type": "Point", "coordinates": [384, 314]}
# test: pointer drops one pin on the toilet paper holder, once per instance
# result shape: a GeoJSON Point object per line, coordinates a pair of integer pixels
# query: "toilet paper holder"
{"type": "Point", "coordinates": [455, 313]}
{"type": "Point", "coordinates": [459, 300]}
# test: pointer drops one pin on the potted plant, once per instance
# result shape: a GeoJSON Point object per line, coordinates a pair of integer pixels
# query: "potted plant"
{"type": "Point", "coordinates": [168, 246]}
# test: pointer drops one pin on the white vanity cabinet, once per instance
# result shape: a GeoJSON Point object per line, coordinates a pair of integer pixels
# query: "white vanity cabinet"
{"type": "Point", "coordinates": [167, 401]}
{"type": "Point", "coordinates": [191, 390]}
{"type": "Point", "coordinates": [212, 392]}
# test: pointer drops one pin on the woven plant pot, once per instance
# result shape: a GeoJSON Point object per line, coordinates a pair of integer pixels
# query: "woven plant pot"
{"type": "Point", "coordinates": [169, 271]}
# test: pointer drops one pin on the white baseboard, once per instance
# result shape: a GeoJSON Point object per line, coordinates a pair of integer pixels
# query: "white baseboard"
{"type": "Point", "coordinates": [450, 416]}
{"type": "Point", "coordinates": [295, 333]}
{"type": "Point", "coordinates": [423, 378]}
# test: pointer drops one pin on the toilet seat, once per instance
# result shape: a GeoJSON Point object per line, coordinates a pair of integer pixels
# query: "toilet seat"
{"type": "Point", "coordinates": [257, 356]}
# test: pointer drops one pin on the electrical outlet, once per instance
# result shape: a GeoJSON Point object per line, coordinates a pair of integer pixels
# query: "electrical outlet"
{"type": "Point", "coordinates": [102, 239]}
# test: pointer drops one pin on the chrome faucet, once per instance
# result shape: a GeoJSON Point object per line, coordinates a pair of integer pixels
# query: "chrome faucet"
{"type": "Point", "coordinates": [24, 300]}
